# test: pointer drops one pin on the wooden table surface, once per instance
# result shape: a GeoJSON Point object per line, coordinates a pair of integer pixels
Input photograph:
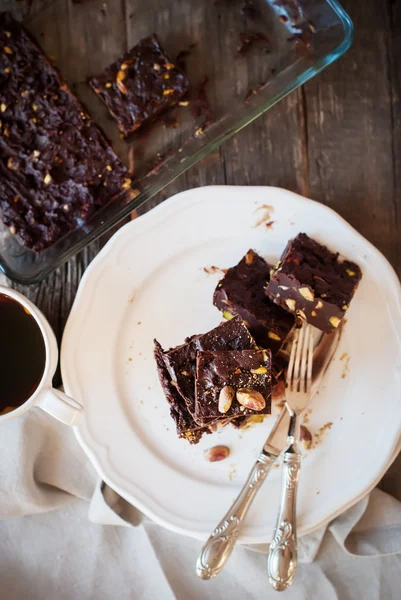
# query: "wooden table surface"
{"type": "Point", "coordinates": [336, 140]}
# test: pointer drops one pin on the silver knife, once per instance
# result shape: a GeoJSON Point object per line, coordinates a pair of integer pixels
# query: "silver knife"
{"type": "Point", "coordinates": [220, 544]}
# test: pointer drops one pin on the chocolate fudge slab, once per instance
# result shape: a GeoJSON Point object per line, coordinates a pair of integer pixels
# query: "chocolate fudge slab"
{"type": "Point", "coordinates": [237, 369]}
{"type": "Point", "coordinates": [181, 361]}
{"type": "Point", "coordinates": [311, 281]}
{"type": "Point", "coordinates": [140, 85]}
{"type": "Point", "coordinates": [185, 425]}
{"type": "Point", "coordinates": [241, 292]}
{"type": "Point", "coordinates": [56, 168]}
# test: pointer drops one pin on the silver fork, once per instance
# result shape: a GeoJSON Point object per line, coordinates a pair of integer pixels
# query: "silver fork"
{"type": "Point", "coordinates": [282, 558]}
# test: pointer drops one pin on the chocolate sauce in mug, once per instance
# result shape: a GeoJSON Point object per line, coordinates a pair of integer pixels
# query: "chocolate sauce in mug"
{"type": "Point", "coordinates": [22, 354]}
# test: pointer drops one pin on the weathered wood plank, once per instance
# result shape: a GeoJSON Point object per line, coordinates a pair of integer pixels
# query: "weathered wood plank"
{"type": "Point", "coordinates": [350, 133]}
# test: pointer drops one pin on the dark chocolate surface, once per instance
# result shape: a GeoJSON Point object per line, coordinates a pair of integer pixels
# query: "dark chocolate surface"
{"type": "Point", "coordinates": [181, 361]}
{"type": "Point", "coordinates": [186, 426]}
{"type": "Point", "coordinates": [140, 85]}
{"type": "Point", "coordinates": [238, 369]}
{"type": "Point", "coordinates": [241, 291]}
{"type": "Point", "coordinates": [56, 168]}
{"type": "Point", "coordinates": [312, 282]}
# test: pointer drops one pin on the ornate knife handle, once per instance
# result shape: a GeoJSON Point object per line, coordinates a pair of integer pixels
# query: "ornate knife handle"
{"type": "Point", "coordinates": [218, 548]}
{"type": "Point", "coordinates": [282, 559]}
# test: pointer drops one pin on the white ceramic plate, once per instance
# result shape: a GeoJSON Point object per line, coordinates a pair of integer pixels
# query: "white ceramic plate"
{"type": "Point", "coordinates": [149, 281]}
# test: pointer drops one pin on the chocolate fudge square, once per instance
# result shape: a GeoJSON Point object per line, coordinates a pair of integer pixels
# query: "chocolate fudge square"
{"type": "Point", "coordinates": [185, 425]}
{"type": "Point", "coordinates": [56, 168]}
{"type": "Point", "coordinates": [181, 361]}
{"type": "Point", "coordinates": [140, 85]}
{"type": "Point", "coordinates": [311, 281]}
{"type": "Point", "coordinates": [241, 292]}
{"type": "Point", "coordinates": [232, 372]}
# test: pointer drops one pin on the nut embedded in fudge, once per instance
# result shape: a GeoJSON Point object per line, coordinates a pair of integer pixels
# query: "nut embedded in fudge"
{"type": "Point", "coordinates": [140, 85]}
{"type": "Point", "coordinates": [232, 384]}
{"type": "Point", "coordinates": [311, 282]}
{"type": "Point", "coordinates": [181, 361]}
{"type": "Point", "coordinates": [241, 292]}
{"type": "Point", "coordinates": [56, 168]}
{"type": "Point", "coordinates": [185, 425]}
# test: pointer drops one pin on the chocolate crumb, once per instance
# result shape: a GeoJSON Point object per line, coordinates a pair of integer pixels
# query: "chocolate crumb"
{"type": "Point", "coordinates": [248, 40]}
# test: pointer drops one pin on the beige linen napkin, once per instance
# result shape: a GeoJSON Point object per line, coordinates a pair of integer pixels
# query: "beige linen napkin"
{"type": "Point", "coordinates": [66, 555]}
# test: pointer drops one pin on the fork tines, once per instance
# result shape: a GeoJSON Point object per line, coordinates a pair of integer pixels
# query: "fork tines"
{"type": "Point", "coordinates": [299, 373]}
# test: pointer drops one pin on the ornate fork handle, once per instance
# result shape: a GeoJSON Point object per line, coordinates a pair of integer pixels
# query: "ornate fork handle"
{"type": "Point", "coordinates": [282, 559]}
{"type": "Point", "coordinates": [220, 544]}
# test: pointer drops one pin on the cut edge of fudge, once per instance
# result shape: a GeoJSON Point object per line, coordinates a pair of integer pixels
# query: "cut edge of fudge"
{"type": "Point", "coordinates": [241, 292]}
{"type": "Point", "coordinates": [235, 370]}
{"type": "Point", "coordinates": [311, 282]}
{"type": "Point", "coordinates": [185, 425]}
{"type": "Point", "coordinates": [158, 79]}
{"type": "Point", "coordinates": [181, 360]}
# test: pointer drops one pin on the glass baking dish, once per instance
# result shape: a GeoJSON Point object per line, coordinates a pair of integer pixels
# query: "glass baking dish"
{"type": "Point", "coordinates": [241, 56]}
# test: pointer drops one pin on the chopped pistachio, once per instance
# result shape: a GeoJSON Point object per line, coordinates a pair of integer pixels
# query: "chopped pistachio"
{"type": "Point", "coordinates": [109, 84]}
{"type": "Point", "coordinates": [274, 336]}
{"type": "Point", "coordinates": [109, 167]}
{"type": "Point", "coordinates": [259, 371]}
{"type": "Point", "coordinates": [345, 307]}
{"type": "Point", "coordinates": [306, 293]}
{"type": "Point", "coordinates": [350, 272]}
{"type": "Point", "coordinates": [11, 164]}
{"type": "Point", "coordinates": [119, 81]}
{"type": "Point", "coordinates": [227, 315]}
{"type": "Point", "coordinates": [34, 107]}
{"type": "Point", "coordinates": [335, 321]}
{"type": "Point", "coordinates": [290, 303]}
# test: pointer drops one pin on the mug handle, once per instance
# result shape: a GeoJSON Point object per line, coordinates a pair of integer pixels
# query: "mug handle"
{"type": "Point", "coordinates": [60, 406]}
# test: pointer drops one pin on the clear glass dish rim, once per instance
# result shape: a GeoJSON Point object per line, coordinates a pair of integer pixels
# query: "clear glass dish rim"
{"type": "Point", "coordinates": [153, 189]}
